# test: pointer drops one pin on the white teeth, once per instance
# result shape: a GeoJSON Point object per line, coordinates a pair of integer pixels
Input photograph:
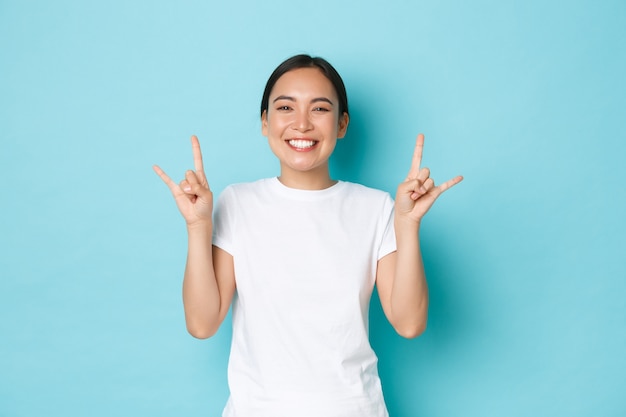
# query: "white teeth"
{"type": "Point", "coordinates": [301, 143]}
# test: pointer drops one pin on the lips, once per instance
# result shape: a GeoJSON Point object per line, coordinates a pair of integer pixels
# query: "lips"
{"type": "Point", "coordinates": [302, 144]}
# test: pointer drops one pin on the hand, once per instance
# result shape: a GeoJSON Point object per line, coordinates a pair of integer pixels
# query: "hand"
{"type": "Point", "coordinates": [193, 195]}
{"type": "Point", "coordinates": [418, 192]}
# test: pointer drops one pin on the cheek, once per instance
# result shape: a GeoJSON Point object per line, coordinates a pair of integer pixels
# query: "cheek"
{"type": "Point", "coordinates": [277, 123]}
{"type": "Point", "coordinates": [272, 130]}
{"type": "Point", "coordinates": [332, 125]}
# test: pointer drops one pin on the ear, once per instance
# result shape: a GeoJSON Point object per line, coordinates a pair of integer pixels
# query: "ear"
{"type": "Point", "coordinates": [343, 125]}
{"type": "Point", "coordinates": [264, 123]}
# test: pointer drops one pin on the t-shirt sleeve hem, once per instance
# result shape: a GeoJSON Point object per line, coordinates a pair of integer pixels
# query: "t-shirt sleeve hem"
{"type": "Point", "coordinates": [384, 251]}
{"type": "Point", "coordinates": [223, 244]}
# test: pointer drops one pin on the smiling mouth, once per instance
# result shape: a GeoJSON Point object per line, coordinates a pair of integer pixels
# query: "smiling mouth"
{"type": "Point", "coordinates": [302, 144]}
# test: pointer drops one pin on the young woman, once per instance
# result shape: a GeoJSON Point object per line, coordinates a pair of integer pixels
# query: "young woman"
{"type": "Point", "coordinates": [298, 255]}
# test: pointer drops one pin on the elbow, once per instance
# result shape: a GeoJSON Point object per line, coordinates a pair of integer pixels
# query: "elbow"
{"type": "Point", "coordinates": [200, 334]}
{"type": "Point", "coordinates": [411, 332]}
{"type": "Point", "coordinates": [201, 331]}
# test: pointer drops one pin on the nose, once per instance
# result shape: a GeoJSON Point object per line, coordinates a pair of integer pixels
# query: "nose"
{"type": "Point", "coordinates": [302, 121]}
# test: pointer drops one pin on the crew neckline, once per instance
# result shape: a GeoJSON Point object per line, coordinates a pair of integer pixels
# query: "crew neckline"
{"type": "Point", "coordinates": [297, 193]}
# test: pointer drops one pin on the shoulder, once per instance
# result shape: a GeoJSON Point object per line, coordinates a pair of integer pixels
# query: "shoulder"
{"type": "Point", "coordinates": [245, 188]}
{"type": "Point", "coordinates": [245, 195]}
{"type": "Point", "coordinates": [364, 192]}
{"type": "Point", "coordinates": [370, 201]}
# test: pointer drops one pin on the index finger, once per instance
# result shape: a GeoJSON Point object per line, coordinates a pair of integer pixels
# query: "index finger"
{"type": "Point", "coordinates": [197, 156]}
{"type": "Point", "coordinates": [417, 157]}
{"type": "Point", "coordinates": [166, 179]}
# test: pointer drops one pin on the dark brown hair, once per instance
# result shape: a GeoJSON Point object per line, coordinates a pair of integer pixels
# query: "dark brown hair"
{"type": "Point", "coordinates": [307, 61]}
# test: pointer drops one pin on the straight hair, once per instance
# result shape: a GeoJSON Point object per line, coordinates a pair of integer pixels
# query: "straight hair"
{"type": "Point", "coordinates": [307, 61]}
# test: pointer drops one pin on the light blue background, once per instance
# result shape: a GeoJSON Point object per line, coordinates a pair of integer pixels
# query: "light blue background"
{"type": "Point", "coordinates": [525, 258]}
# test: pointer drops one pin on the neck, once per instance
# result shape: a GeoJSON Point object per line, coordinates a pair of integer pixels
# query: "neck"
{"type": "Point", "coordinates": [308, 180]}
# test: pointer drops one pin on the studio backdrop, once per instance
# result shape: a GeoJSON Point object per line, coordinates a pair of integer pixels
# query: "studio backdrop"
{"type": "Point", "coordinates": [524, 259]}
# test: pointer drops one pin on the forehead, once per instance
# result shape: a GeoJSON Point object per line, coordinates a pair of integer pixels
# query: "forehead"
{"type": "Point", "coordinates": [304, 82]}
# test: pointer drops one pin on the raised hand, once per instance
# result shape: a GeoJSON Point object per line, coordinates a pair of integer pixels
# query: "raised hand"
{"type": "Point", "coordinates": [193, 195]}
{"type": "Point", "coordinates": [416, 195]}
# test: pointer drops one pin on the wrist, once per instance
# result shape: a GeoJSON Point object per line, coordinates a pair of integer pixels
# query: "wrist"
{"type": "Point", "coordinates": [408, 224]}
{"type": "Point", "coordinates": [200, 227]}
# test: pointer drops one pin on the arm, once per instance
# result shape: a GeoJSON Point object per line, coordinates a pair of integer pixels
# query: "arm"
{"type": "Point", "coordinates": [400, 277]}
{"type": "Point", "coordinates": [209, 280]}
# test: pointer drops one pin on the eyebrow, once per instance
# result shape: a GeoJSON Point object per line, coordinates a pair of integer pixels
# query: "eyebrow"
{"type": "Point", "coordinates": [315, 100]}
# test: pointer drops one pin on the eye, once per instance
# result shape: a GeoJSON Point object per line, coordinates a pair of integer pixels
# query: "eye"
{"type": "Point", "coordinates": [283, 108]}
{"type": "Point", "coordinates": [321, 109]}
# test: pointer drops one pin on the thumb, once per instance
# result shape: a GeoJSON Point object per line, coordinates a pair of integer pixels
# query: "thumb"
{"type": "Point", "coordinates": [192, 185]}
{"type": "Point", "coordinates": [413, 187]}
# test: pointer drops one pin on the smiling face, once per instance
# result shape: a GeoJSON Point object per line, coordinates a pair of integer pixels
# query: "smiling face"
{"type": "Point", "coordinates": [302, 125]}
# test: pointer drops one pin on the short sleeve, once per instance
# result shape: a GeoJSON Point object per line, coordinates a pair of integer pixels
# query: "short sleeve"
{"type": "Point", "coordinates": [388, 239]}
{"type": "Point", "coordinates": [223, 220]}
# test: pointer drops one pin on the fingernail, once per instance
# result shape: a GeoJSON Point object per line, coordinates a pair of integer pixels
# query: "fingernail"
{"type": "Point", "coordinates": [422, 190]}
{"type": "Point", "coordinates": [187, 188]}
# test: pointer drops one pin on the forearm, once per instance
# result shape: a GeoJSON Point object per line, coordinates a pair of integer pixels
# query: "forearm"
{"type": "Point", "coordinates": [405, 295]}
{"type": "Point", "coordinates": [409, 295]}
{"type": "Point", "coordinates": [201, 297]}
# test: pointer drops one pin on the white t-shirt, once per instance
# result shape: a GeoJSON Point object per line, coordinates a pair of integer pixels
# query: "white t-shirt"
{"type": "Point", "coordinates": [305, 267]}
